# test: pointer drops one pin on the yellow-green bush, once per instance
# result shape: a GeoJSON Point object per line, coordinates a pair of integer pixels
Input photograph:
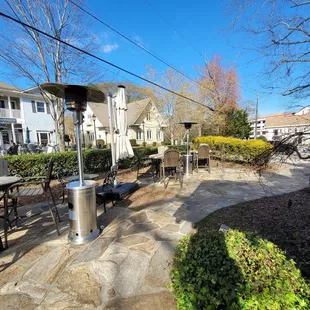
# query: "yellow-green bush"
{"type": "Point", "coordinates": [232, 148]}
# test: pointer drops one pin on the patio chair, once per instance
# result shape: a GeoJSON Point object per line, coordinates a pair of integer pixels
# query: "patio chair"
{"type": "Point", "coordinates": [162, 149]}
{"type": "Point", "coordinates": [172, 165]}
{"type": "Point", "coordinates": [61, 174]}
{"type": "Point", "coordinates": [144, 162]}
{"type": "Point", "coordinates": [107, 188]}
{"type": "Point", "coordinates": [203, 155]}
{"type": "Point", "coordinates": [22, 190]}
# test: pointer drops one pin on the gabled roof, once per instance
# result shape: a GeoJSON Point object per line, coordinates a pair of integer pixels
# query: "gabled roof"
{"type": "Point", "coordinates": [8, 86]}
{"type": "Point", "coordinates": [288, 120]}
{"type": "Point", "coordinates": [135, 109]}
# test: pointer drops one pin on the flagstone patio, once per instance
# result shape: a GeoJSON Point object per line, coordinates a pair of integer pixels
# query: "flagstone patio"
{"type": "Point", "coordinates": [127, 266]}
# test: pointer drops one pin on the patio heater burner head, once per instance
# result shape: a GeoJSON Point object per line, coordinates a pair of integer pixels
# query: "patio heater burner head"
{"type": "Point", "coordinates": [76, 96]}
{"type": "Point", "coordinates": [188, 124]}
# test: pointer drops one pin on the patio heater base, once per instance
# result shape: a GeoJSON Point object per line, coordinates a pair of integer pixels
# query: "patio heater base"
{"type": "Point", "coordinates": [188, 164]}
{"type": "Point", "coordinates": [82, 212]}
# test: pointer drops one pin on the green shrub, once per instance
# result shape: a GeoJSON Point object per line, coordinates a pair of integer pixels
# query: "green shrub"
{"type": "Point", "coordinates": [180, 148]}
{"type": "Point", "coordinates": [95, 160]}
{"type": "Point", "coordinates": [233, 270]}
{"type": "Point", "coordinates": [154, 144]}
{"type": "Point", "coordinates": [232, 148]}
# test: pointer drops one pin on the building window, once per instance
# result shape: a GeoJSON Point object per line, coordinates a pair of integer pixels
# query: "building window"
{"type": "Point", "coordinates": [139, 135]}
{"type": "Point", "coordinates": [91, 136]}
{"type": "Point", "coordinates": [13, 105]}
{"type": "Point", "coordinates": [276, 132]}
{"type": "Point", "coordinates": [43, 138]}
{"type": "Point", "coordinates": [5, 137]}
{"type": "Point", "coordinates": [158, 135]}
{"type": "Point", "coordinates": [148, 116]}
{"type": "Point", "coordinates": [149, 135]}
{"type": "Point", "coordinates": [40, 107]}
{"type": "Point", "coordinates": [2, 104]}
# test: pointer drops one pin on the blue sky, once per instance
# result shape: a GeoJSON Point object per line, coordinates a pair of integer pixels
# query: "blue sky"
{"type": "Point", "coordinates": [203, 23]}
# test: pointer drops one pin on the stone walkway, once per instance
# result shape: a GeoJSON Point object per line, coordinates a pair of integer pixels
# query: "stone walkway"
{"type": "Point", "coordinates": [127, 267]}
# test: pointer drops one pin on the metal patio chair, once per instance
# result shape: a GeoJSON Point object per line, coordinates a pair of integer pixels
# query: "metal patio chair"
{"type": "Point", "coordinates": [203, 154]}
{"type": "Point", "coordinates": [107, 188]}
{"type": "Point", "coordinates": [144, 162]}
{"type": "Point", "coordinates": [172, 165]}
{"type": "Point", "coordinates": [23, 190]}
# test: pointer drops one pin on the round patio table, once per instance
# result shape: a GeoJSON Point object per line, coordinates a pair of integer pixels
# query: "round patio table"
{"type": "Point", "coordinates": [5, 183]}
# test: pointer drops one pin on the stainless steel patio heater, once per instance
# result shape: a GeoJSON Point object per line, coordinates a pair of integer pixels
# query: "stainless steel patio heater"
{"type": "Point", "coordinates": [188, 159]}
{"type": "Point", "coordinates": [81, 194]}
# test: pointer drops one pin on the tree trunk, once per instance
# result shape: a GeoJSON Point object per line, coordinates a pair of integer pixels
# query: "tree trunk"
{"type": "Point", "coordinates": [61, 136]}
{"type": "Point", "coordinates": [172, 138]}
{"type": "Point", "coordinates": [199, 130]}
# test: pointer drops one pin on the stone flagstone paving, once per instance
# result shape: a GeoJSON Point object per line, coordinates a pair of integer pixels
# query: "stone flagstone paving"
{"type": "Point", "coordinates": [127, 267]}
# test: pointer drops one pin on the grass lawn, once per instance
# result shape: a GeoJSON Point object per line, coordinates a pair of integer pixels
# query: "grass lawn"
{"type": "Point", "coordinates": [283, 220]}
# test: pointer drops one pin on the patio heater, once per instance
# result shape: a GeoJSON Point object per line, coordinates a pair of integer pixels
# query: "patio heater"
{"type": "Point", "coordinates": [81, 194]}
{"type": "Point", "coordinates": [188, 159]}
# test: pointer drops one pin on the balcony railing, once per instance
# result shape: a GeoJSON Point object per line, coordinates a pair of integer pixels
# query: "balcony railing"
{"type": "Point", "coordinates": [16, 113]}
{"type": "Point", "coordinates": [10, 113]}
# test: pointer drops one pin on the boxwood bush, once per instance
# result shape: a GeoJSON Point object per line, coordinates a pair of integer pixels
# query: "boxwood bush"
{"type": "Point", "coordinates": [95, 161]}
{"type": "Point", "coordinates": [234, 270]}
{"type": "Point", "coordinates": [232, 148]}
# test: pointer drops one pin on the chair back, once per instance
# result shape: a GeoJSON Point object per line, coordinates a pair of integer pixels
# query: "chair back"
{"type": "Point", "coordinates": [4, 167]}
{"type": "Point", "coordinates": [162, 149]}
{"type": "Point", "coordinates": [203, 151]}
{"type": "Point", "coordinates": [48, 176]}
{"type": "Point", "coordinates": [110, 178]}
{"type": "Point", "coordinates": [171, 158]}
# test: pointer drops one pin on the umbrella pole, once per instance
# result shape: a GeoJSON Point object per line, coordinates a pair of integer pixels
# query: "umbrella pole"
{"type": "Point", "coordinates": [77, 118]}
{"type": "Point", "coordinates": [110, 109]}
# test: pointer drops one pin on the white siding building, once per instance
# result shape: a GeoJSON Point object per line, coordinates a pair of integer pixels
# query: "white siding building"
{"type": "Point", "coordinates": [145, 124]}
{"type": "Point", "coordinates": [22, 116]}
{"type": "Point", "coordinates": [277, 126]}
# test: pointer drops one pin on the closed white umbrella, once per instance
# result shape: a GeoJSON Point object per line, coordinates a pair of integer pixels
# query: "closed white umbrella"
{"type": "Point", "coordinates": [123, 146]}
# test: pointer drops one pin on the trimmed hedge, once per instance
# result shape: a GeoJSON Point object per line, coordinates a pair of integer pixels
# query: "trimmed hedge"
{"type": "Point", "coordinates": [232, 148]}
{"type": "Point", "coordinates": [234, 270]}
{"type": "Point", "coordinates": [95, 160]}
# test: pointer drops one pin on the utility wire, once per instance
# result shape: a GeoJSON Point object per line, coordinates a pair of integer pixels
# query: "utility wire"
{"type": "Point", "coordinates": [101, 59]}
{"type": "Point", "coordinates": [177, 32]}
{"type": "Point", "coordinates": [133, 42]}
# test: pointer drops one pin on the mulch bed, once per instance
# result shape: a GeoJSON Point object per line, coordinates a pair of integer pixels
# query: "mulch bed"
{"type": "Point", "coordinates": [283, 220]}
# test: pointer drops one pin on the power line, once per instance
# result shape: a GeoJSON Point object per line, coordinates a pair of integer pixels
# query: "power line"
{"type": "Point", "coordinates": [101, 59]}
{"type": "Point", "coordinates": [177, 32]}
{"type": "Point", "coordinates": [133, 42]}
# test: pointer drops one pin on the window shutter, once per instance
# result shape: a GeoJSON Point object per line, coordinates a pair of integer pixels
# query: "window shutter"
{"type": "Point", "coordinates": [33, 103]}
{"type": "Point", "coordinates": [48, 110]}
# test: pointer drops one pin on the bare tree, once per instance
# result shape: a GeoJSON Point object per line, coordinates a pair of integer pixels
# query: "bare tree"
{"type": "Point", "coordinates": [40, 59]}
{"type": "Point", "coordinates": [174, 108]}
{"type": "Point", "coordinates": [280, 31]}
{"type": "Point", "coordinates": [219, 88]}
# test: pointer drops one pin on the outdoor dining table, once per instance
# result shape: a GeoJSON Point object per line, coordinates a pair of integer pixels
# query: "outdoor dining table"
{"type": "Point", "coordinates": [90, 176]}
{"type": "Point", "coordinates": [157, 159]}
{"type": "Point", "coordinates": [5, 183]}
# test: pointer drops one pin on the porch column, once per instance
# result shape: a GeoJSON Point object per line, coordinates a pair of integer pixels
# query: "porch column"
{"type": "Point", "coordinates": [9, 104]}
{"type": "Point", "coordinates": [13, 132]}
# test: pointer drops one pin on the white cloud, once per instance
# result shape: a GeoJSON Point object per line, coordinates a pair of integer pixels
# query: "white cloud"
{"type": "Point", "coordinates": [108, 48]}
